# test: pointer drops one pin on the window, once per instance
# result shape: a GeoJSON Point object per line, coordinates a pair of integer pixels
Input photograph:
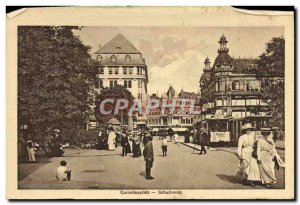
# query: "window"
{"type": "Point", "coordinates": [110, 71]}
{"type": "Point", "coordinates": [139, 70]}
{"type": "Point", "coordinates": [116, 71]}
{"type": "Point", "coordinates": [101, 71]}
{"type": "Point", "coordinates": [254, 85]}
{"type": "Point", "coordinates": [127, 58]}
{"type": "Point", "coordinates": [101, 83]}
{"type": "Point", "coordinates": [140, 84]}
{"type": "Point", "coordinates": [99, 58]}
{"type": "Point", "coordinates": [130, 71]}
{"type": "Point", "coordinates": [238, 85]}
{"type": "Point", "coordinates": [125, 71]}
{"type": "Point", "coordinates": [238, 102]}
{"type": "Point", "coordinates": [113, 83]}
{"type": "Point", "coordinates": [140, 96]}
{"type": "Point", "coordinates": [127, 83]}
{"type": "Point", "coordinates": [113, 58]}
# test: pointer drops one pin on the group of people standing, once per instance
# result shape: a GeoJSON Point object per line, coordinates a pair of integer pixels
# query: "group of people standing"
{"type": "Point", "coordinates": [27, 147]}
{"type": "Point", "coordinates": [131, 141]}
{"type": "Point", "coordinates": [260, 154]}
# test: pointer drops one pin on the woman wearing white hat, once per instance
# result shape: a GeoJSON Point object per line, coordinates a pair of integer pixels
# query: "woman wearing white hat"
{"type": "Point", "coordinates": [245, 150]}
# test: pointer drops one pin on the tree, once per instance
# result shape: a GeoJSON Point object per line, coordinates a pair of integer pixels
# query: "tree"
{"type": "Point", "coordinates": [115, 93]}
{"type": "Point", "coordinates": [270, 71]}
{"type": "Point", "coordinates": [55, 79]}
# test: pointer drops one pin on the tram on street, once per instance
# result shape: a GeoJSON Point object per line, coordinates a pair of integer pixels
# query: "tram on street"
{"type": "Point", "coordinates": [226, 131]}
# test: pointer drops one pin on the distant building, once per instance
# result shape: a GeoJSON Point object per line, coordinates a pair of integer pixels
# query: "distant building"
{"type": "Point", "coordinates": [177, 121]}
{"type": "Point", "coordinates": [230, 96]}
{"type": "Point", "coordinates": [122, 64]}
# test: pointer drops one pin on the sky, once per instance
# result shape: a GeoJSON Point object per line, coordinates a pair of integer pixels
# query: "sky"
{"type": "Point", "coordinates": [175, 55]}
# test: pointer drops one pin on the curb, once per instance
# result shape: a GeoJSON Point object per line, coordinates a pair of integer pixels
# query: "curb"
{"type": "Point", "coordinates": [220, 149]}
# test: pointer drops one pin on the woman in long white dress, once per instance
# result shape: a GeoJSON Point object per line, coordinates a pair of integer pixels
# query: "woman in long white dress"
{"type": "Point", "coordinates": [245, 151]}
{"type": "Point", "coordinates": [266, 152]}
{"type": "Point", "coordinates": [111, 140]}
{"type": "Point", "coordinates": [30, 150]}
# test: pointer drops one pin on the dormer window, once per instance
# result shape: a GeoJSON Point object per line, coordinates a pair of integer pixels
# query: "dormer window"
{"type": "Point", "coordinates": [113, 58]}
{"type": "Point", "coordinates": [127, 58]}
{"type": "Point", "coordinates": [99, 58]}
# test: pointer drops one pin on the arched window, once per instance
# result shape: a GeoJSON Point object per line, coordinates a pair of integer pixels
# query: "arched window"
{"type": "Point", "coordinates": [127, 58]}
{"type": "Point", "coordinates": [113, 58]}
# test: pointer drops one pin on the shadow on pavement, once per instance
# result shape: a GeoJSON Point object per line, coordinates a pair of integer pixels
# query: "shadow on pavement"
{"type": "Point", "coordinates": [24, 169]}
{"type": "Point", "coordinates": [93, 155]}
{"type": "Point", "coordinates": [143, 174]}
{"type": "Point", "coordinates": [95, 171]}
{"type": "Point", "coordinates": [229, 178]}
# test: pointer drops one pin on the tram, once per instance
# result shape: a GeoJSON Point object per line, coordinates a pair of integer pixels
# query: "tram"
{"type": "Point", "coordinates": [226, 131]}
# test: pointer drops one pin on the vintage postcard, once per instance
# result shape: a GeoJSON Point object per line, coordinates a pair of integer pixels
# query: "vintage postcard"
{"type": "Point", "coordinates": [184, 103]}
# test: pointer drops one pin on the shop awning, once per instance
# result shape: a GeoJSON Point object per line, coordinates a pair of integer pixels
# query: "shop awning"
{"type": "Point", "coordinates": [155, 129]}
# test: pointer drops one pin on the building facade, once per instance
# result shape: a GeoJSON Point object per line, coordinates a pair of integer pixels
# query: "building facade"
{"type": "Point", "coordinates": [122, 64]}
{"type": "Point", "coordinates": [180, 119]}
{"type": "Point", "coordinates": [230, 96]}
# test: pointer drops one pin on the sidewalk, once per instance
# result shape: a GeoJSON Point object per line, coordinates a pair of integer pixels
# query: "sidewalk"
{"type": "Point", "coordinates": [279, 145]}
{"type": "Point", "coordinates": [198, 147]}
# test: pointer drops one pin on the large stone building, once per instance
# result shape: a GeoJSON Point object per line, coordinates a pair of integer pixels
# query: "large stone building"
{"type": "Point", "coordinates": [122, 64]}
{"type": "Point", "coordinates": [230, 96]}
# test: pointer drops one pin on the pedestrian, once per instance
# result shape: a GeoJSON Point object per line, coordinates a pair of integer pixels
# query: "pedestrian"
{"type": "Point", "coordinates": [266, 152]}
{"type": "Point", "coordinates": [30, 151]}
{"type": "Point", "coordinates": [203, 140]}
{"type": "Point", "coordinates": [99, 140]}
{"type": "Point", "coordinates": [164, 146]}
{"type": "Point", "coordinates": [136, 146]}
{"type": "Point", "coordinates": [111, 139]}
{"type": "Point", "coordinates": [245, 152]}
{"type": "Point", "coordinates": [145, 138]}
{"type": "Point", "coordinates": [62, 172]}
{"type": "Point", "coordinates": [125, 144]}
{"type": "Point", "coordinates": [175, 137]}
{"type": "Point", "coordinates": [117, 138]}
{"type": "Point", "coordinates": [149, 157]}
{"type": "Point", "coordinates": [57, 149]}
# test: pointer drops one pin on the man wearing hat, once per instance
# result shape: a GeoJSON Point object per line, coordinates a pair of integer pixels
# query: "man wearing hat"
{"type": "Point", "coordinates": [203, 140]}
{"type": "Point", "coordinates": [245, 152]}
{"type": "Point", "coordinates": [149, 157]}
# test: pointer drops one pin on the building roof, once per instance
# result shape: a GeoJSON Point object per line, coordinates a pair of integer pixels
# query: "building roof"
{"type": "Point", "coordinates": [114, 121]}
{"type": "Point", "coordinates": [190, 95]}
{"type": "Point", "coordinates": [118, 45]}
{"type": "Point", "coordinates": [223, 59]}
{"type": "Point", "coordinates": [244, 65]}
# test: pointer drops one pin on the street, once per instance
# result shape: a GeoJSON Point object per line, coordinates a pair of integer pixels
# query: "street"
{"type": "Point", "coordinates": [183, 168]}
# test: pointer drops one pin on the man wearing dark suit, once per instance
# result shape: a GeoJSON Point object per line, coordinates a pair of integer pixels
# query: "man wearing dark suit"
{"type": "Point", "coordinates": [149, 157]}
{"type": "Point", "coordinates": [203, 140]}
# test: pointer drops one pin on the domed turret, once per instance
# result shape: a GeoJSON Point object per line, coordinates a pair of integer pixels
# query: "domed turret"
{"type": "Point", "coordinates": [223, 59]}
{"type": "Point", "coordinates": [223, 41]}
{"type": "Point", "coordinates": [207, 63]}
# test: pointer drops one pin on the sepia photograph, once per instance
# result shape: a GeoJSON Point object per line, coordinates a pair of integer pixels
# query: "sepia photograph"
{"type": "Point", "coordinates": [151, 111]}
